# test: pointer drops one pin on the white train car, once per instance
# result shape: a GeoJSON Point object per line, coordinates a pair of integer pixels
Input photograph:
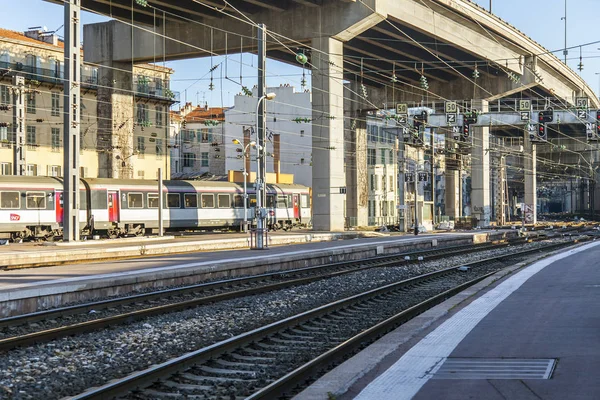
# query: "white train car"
{"type": "Point", "coordinates": [31, 207]}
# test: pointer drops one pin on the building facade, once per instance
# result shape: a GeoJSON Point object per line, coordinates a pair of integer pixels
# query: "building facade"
{"type": "Point", "coordinates": [38, 57]}
{"type": "Point", "coordinates": [382, 170]}
{"type": "Point", "coordinates": [289, 133]}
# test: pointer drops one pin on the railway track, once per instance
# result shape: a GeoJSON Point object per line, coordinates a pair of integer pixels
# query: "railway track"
{"type": "Point", "coordinates": [52, 324]}
{"type": "Point", "coordinates": [273, 360]}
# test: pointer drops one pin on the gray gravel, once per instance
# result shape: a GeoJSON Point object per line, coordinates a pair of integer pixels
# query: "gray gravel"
{"type": "Point", "coordinates": [69, 366]}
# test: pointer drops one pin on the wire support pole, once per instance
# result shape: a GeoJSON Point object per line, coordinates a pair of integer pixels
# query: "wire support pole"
{"type": "Point", "coordinates": [72, 101]}
{"type": "Point", "coordinates": [260, 185]}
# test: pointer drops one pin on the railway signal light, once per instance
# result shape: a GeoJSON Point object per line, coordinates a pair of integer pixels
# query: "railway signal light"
{"type": "Point", "coordinates": [546, 116]}
{"type": "Point", "coordinates": [470, 118]}
{"type": "Point", "coordinates": [542, 133]}
{"type": "Point", "coordinates": [5, 107]}
{"type": "Point", "coordinates": [466, 130]}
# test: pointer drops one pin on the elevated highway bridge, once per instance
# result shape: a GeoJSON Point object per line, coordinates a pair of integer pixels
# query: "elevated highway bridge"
{"type": "Point", "coordinates": [387, 45]}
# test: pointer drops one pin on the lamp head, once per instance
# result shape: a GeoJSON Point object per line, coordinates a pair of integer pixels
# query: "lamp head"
{"type": "Point", "coordinates": [252, 143]}
{"type": "Point", "coordinates": [235, 141]}
{"type": "Point", "coordinates": [270, 96]}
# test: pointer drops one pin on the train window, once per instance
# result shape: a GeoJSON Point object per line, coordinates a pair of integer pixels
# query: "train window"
{"type": "Point", "coordinates": [152, 200]}
{"type": "Point", "coordinates": [304, 201]}
{"type": "Point", "coordinates": [190, 200]}
{"type": "Point", "coordinates": [282, 201]}
{"type": "Point", "coordinates": [173, 200]}
{"type": "Point", "coordinates": [252, 200]}
{"type": "Point", "coordinates": [36, 200]}
{"type": "Point", "coordinates": [270, 201]}
{"type": "Point", "coordinates": [224, 201]}
{"type": "Point", "coordinates": [208, 201]}
{"type": "Point", "coordinates": [238, 201]}
{"type": "Point", "coordinates": [10, 200]}
{"type": "Point", "coordinates": [135, 200]}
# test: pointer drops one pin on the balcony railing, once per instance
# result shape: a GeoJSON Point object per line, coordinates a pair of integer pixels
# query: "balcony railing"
{"type": "Point", "coordinates": [45, 75]}
{"type": "Point", "coordinates": [154, 88]}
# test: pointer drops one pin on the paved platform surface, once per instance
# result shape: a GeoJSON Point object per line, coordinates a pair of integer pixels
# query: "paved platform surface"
{"type": "Point", "coordinates": [21, 279]}
{"type": "Point", "coordinates": [498, 344]}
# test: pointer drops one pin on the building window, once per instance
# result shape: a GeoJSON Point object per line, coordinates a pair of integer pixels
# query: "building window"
{"type": "Point", "coordinates": [383, 156]}
{"type": "Point", "coordinates": [142, 114]}
{"type": "Point", "coordinates": [383, 182]}
{"type": "Point", "coordinates": [55, 139]}
{"type": "Point", "coordinates": [142, 84]}
{"type": "Point", "coordinates": [5, 168]}
{"type": "Point", "coordinates": [371, 156]}
{"type": "Point", "coordinates": [302, 161]}
{"type": "Point", "coordinates": [159, 116]}
{"type": "Point", "coordinates": [188, 159]}
{"type": "Point", "coordinates": [54, 170]}
{"type": "Point", "coordinates": [205, 135]}
{"type": "Point", "coordinates": [204, 158]}
{"type": "Point", "coordinates": [372, 182]}
{"type": "Point", "coordinates": [391, 182]}
{"type": "Point", "coordinates": [55, 104]}
{"type": "Point", "coordinates": [32, 169]}
{"type": "Point", "coordinates": [4, 134]}
{"type": "Point", "coordinates": [4, 95]}
{"type": "Point", "coordinates": [141, 145]}
{"type": "Point", "coordinates": [31, 136]}
{"type": "Point", "coordinates": [302, 133]}
{"type": "Point", "coordinates": [30, 103]}
{"type": "Point", "coordinates": [141, 174]}
{"type": "Point", "coordinates": [159, 147]}
{"type": "Point", "coordinates": [391, 156]}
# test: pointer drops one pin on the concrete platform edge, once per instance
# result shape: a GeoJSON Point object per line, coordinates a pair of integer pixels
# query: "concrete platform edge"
{"type": "Point", "coordinates": [340, 380]}
{"type": "Point", "coordinates": [28, 298]}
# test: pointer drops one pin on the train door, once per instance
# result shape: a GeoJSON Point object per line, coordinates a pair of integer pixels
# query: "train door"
{"type": "Point", "coordinates": [296, 207]}
{"type": "Point", "coordinates": [113, 206]}
{"type": "Point", "coordinates": [59, 207]}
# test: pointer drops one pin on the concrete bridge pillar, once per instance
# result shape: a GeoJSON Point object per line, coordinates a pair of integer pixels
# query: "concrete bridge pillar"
{"type": "Point", "coordinates": [530, 173]}
{"type": "Point", "coordinates": [328, 134]}
{"type": "Point", "coordinates": [452, 181]}
{"type": "Point", "coordinates": [357, 185]}
{"type": "Point", "coordinates": [115, 105]}
{"type": "Point", "coordinates": [480, 169]}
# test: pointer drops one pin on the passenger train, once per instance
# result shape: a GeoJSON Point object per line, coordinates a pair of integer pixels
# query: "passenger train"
{"type": "Point", "coordinates": [31, 207]}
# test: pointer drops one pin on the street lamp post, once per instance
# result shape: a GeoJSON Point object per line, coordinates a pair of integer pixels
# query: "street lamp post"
{"type": "Point", "coordinates": [261, 170]}
{"type": "Point", "coordinates": [245, 154]}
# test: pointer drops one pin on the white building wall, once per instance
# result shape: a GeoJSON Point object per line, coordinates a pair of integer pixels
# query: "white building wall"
{"type": "Point", "coordinates": [295, 137]}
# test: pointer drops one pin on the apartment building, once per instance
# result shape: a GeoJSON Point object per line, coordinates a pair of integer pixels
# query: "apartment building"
{"type": "Point", "coordinates": [37, 55]}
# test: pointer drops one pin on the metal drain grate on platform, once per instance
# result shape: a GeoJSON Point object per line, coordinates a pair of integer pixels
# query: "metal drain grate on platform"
{"type": "Point", "coordinates": [495, 368]}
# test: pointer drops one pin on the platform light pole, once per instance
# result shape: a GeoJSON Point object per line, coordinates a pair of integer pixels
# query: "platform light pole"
{"type": "Point", "coordinates": [261, 170]}
{"type": "Point", "coordinates": [244, 155]}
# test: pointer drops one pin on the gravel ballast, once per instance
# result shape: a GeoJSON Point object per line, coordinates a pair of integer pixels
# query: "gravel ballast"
{"type": "Point", "coordinates": [71, 365]}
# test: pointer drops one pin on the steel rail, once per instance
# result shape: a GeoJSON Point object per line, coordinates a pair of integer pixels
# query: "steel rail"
{"type": "Point", "coordinates": [155, 373]}
{"type": "Point", "coordinates": [96, 324]}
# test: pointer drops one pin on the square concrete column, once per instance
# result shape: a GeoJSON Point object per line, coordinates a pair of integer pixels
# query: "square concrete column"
{"type": "Point", "coordinates": [480, 169]}
{"type": "Point", "coordinates": [328, 134]}
{"type": "Point", "coordinates": [530, 171]}
{"type": "Point", "coordinates": [115, 106]}
{"type": "Point", "coordinates": [357, 194]}
{"type": "Point", "coordinates": [452, 181]}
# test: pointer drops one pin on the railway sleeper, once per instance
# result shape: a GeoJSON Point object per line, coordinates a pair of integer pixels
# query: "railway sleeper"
{"type": "Point", "coordinates": [185, 386]}
{"type": "Point", "coordinates": [213, 379]}
{"type": "Point", "coordinates": [250, 358]}
{"type": "Point", "coordinates": [225, 363]}
{"type": "Point", "coordinates": [225, 371]}
{"type": "Point", "coordinates": [158, 395]}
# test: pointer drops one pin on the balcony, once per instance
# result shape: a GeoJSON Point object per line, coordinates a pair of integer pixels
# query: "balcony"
{"type": "Point", "coordinates": [156, 89]}
{"type": "Point", "coordinates": [44, 75]}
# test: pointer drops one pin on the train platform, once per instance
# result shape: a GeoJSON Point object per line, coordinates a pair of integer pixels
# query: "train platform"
{"type": "Point", "coordinates": [530, 333]}
{"type": "Point", "coordinates": [33, 289]}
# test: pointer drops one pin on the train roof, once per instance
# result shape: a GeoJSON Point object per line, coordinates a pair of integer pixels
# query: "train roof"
{"type": "Point", "coordinates": [150, 184]}
{"type": "Point", "coordinates": [33, 181]}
